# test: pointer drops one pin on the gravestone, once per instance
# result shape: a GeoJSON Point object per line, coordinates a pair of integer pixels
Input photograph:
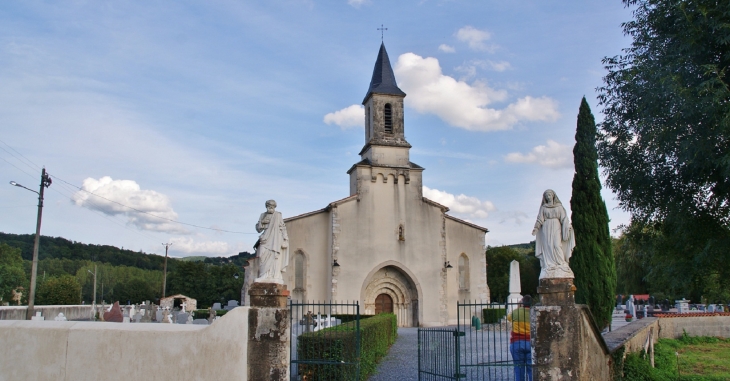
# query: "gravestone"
{"type": "Point", "coordinates": [515, 288]}
{"type": "Point", "coordinates": [217, 306]}
{"type": "Point", "coordinates": [37, 316]}
{"type": "Point", "coordinates": [231, 305]}
{"type": "Point", "coordinates": [181, 318]}
{"type": "Point", "coordinates": [114, 314]}
{"type": "Point", "coordinates": [60, 317]}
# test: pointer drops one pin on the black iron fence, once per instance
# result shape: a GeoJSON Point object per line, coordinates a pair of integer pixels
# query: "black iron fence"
{"type": "Point", "coordinates": [325, 341]}
{"type": "Point", "coordinates": [437, 354]}
{"type": "Point", "coordinates": [496, 341]}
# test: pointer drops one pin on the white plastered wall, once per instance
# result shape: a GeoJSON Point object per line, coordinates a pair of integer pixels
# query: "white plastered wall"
{"type": "Point", "coordinates": [81, 351]}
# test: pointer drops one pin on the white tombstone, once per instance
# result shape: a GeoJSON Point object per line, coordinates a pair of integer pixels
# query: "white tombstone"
{"type": "Point", "coordinates": [515, 288]}
{"type": "Point", "coordinates": [60, 317]}
{"type": "Point", "coordinates": [37, 316]}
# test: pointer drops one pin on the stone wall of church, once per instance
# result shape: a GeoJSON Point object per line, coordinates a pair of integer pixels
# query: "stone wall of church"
{"type": "Point", "coordinates": [465, 252]}
{"type": "Point", "coordinates": [309, 235]}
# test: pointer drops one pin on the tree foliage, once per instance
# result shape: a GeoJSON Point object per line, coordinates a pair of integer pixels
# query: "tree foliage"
{"type": "Point", "coordinates": [498, 262]}
{"type": "Point", "coordinates": [12, 274]}
{"type": "Point", "coordinates": [665, 143]}
{"type": "Point", "coordinates": [63, 249]}
{"type": "Point", "coordinates": [666, 134]}
{"type": "Point", "coordinates": [592, 260]}
{"type": "Point", "coordinates": [63, 290]}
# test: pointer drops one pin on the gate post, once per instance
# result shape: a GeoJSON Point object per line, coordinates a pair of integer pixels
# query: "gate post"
{"type": "Point", "coordinates": [268, 333]}
{"type": "Point", "coordinates": [556, 331]}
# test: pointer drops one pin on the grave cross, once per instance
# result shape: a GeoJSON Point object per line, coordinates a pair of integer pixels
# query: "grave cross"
{"type": "Point", "coordinates": [381, 29]}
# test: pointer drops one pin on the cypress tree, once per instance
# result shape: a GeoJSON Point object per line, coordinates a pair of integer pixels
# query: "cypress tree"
{"type": "Point", "coordinates": [592, 260]}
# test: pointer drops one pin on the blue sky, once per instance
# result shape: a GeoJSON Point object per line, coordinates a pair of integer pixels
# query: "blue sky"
{"type": "Point", "coordinates": [200, 111]}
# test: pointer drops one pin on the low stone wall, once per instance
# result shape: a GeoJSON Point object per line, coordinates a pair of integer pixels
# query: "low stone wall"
{"type": "Point", "coordinates": [73, 312]}
{"type": "Point", "coordinates": [51, 350]}
{"type": "Point", "coordinates": [674, 327]}
{"type": "Point", "coordinates": [632, 337]}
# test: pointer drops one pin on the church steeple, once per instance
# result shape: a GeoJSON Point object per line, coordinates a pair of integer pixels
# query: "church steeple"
{"type": "Point", "coordinates": [383, 81]}
{"type": "Point", "coordinates": [384, 108]}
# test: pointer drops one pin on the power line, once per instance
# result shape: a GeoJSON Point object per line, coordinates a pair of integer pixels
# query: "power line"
{"type": "Point", "coordinates": [102, 197]}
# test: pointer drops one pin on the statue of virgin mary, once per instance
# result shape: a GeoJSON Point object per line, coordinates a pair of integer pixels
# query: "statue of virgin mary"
{"type": "Point", "coordinates": [554, 240]}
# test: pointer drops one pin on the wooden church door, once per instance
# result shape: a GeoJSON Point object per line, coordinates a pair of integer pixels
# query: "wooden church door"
{"type": "Point", "coordinates": [383, 304]}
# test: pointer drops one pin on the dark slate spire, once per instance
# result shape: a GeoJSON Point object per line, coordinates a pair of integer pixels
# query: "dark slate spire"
{"type": "Point", "coordinates": [383, 81]}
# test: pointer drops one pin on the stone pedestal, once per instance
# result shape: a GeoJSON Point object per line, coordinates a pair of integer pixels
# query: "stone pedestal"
{"type": "Point", "coordinates": [555, 327]}
{"type": "Point", "coordinates": [268, 333]}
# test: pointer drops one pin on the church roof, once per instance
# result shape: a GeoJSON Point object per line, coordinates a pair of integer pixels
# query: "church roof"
{"type": "Point", "coordinates": [383, 81]}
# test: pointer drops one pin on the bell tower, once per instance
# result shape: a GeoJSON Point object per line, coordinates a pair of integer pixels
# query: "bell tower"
{"type": "Point", "coordinates": [384, 117]}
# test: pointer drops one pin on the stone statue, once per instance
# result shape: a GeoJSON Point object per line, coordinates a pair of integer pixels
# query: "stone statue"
{"type": "Point", "coordinates": [272, 248]}
{"type": "Point", "coordinates": [554, 240]}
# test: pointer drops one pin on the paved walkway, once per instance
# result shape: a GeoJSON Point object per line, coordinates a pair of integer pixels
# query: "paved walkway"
{"type": "Point", "coordinates": [401, 362]}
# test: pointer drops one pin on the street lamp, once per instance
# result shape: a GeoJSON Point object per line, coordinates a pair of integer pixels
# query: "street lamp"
{"type": "Point", "coordinates": [45, 183]}
{"type": "Point", "coordinates": [93, 308]}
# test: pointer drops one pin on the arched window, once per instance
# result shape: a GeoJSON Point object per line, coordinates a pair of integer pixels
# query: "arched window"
{"type": "Point", "coordinates": [463, 272]}
{"type": "Point", "coordinates": [299, 271]}
{"type": "Point", "coordinates": [388, 113]}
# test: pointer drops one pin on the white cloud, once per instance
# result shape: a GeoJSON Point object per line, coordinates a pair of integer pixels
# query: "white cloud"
{"type": "Point", "coordinates": [446, 48]}
{"type": "Point", "coordinates": [553, 155]}
{"type": "Point", "coordinates": [499, 66]}
{"type": "Point", "coordinates": [210, 248]}
{"type": "Point", "coordinates": [128, 192]}
{"type": "Point", "coordinates": [461, 104]}
{"type": "Point", "coordinates": [475, 38]}
{"type": "Point", "coordinates": [470, 207]}
{"type": "Point", "coordinates": [348, 117]}
{"type": "Point", "coordinates": [357, 3]}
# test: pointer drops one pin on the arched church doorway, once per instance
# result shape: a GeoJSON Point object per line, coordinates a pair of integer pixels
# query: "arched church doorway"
{"type": "Point", "coordinates": [383, 304]}
{"type": "Point", "coordinates": [391, 289]}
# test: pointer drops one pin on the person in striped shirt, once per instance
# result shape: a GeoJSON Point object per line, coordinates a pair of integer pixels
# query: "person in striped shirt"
{"type": "Point", "coordinates": [519, 340]}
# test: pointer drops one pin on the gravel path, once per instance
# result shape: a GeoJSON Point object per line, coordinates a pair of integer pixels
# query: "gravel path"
{"type": "Point", "coordinates": [401, 362]}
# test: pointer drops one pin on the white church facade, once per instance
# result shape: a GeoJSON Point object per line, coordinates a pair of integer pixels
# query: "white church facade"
{"type": "Point", "coordinates": [386, 245]}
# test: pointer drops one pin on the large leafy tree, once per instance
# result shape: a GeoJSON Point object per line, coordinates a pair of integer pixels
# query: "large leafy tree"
{"type": "Point", "coordinates": [498, 262]}
{"type": "Point", "coordinates": [12, 274]}
{"type": "Point", "coordinates": [592, 260]}
{"type": "Point", "coordinates": [665, 142]}
{"type": "Point", "coordinates": [63, 290]}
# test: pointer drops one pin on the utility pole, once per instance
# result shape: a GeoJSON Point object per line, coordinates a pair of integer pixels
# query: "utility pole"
{"type": "Point", "coordinates": [45, 183]}
{"type": "Point", "coordinates": [164, 271]}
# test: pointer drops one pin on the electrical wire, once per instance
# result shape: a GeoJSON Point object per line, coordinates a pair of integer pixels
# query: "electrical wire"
{"type": "Point", "coordinates": [29, 163]}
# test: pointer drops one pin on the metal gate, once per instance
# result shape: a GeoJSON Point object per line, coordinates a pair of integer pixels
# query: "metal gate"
{"type": "Point", "coordinates": [485, 350]}
{"type": "Point", "coordinates": [325, 341]}
{"type": "Point", "coordinates": [437, 354]}
{"type": "Point", "coordinates": [478, 348]}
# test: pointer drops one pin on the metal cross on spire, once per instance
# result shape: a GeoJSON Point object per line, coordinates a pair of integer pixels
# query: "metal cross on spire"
{"type": "Point", "coordinates": [381, 29]}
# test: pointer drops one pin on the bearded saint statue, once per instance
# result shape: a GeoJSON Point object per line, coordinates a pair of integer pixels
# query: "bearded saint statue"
{"type": "Point", "coordinates": [272, 248]}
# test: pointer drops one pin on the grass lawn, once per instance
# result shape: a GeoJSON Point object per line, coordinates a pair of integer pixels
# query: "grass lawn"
{"type": "Point", "coordinates": [688, 358]}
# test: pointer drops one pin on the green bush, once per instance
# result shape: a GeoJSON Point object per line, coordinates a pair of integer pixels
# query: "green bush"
{"type": "Point", "coordinates": [339, 345]}
{"type": "Point", "coordinates": [63, 290]}
{"type": "Point", "coordinates": [493, 315]}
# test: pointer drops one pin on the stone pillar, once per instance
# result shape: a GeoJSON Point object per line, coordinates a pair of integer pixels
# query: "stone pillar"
{"type": "Point", "coordinates": [555, 325]}
{"type": "Point", "coordinates": [268, 333]}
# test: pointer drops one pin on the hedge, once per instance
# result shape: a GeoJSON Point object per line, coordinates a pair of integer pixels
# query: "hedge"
{"type": "Point", "coordinates": [338, 344]}
{"type": "Point", "coordinates": [493, 315]}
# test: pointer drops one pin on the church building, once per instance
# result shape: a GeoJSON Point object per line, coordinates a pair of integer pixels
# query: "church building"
{"type": "Point", "coordinates": [385, 245]}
